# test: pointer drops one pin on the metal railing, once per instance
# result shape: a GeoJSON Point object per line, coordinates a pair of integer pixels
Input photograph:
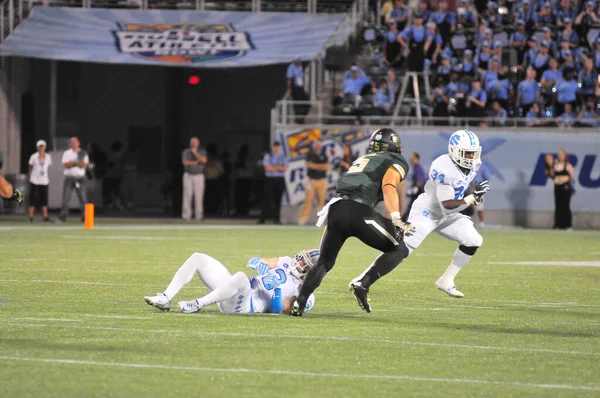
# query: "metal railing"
{"type": "Point", "coordinates": [12, 12]}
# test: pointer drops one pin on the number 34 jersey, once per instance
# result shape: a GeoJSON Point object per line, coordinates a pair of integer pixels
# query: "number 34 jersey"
{"type": "Point", "coordinates": [444, 171]}
{"type": "Point", "coordinates": [262, 290]}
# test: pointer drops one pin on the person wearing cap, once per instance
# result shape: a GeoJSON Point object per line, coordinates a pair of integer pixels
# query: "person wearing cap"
{"type": "Point", "coordinates": [445, 21]}
{"type": "Point", "coordinates": [466, 17]}
{"type": "Point", "coordinates": [422, 8]}
{"type": "Point", "coordinates": [354, 82]}
{"type": "Point", "coordinates": [569, 34]}
{"type": "Point", "coordinates": [476, 102]}
{"type": "Point", "coordinates": [443, 70]}
{"type": "Point", "coordinates": [548, 38]}
{"type": "Point", "coordinates": [550, 78]}
{"type": "Point", "coordinates": [493, 18]}
{"type": "Point", "coordinates": [483, 58]}
{"type": "Point", "coordinates": [392, 49]}
{"type": "Point", "coordinates": [469, 68]}
{"type": "Point", "coordinates": [433, 44]}
{"type": "Point", "coordinates": [564, 10]}
{"type": "Point", "coordinates": [531, 52]}
{"type": "Point", "coordinates": [546, 15]}
{"type": "Point", "coordinates": [75, 161]}
{"type": "Point", "coordinates": [528, 92]}
{"type": "Point", "coordinates": [586, 18]}
{"type": "Point", "coordinates": [498, 52]}
{"type": "Point", "coordinates": [518, 40]}
{"type": "Point", "coordinates": [275, 164]}
{"type": "Point", "coordinates": [413, 39]}
{"type": "Point", "coordinates": [528, 15]}
{"type": "Point", "coordinates": [295, 87]}
{"type": "Point", "coordinates": [541, 60]}
{"type": "Point", "coordinates": [39, 163]}
{"type": "Point", "coordinates": [399, 14]}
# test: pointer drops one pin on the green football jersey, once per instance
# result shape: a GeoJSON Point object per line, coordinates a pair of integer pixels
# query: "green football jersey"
{"type": "Point", "coordinates": [363, 180]}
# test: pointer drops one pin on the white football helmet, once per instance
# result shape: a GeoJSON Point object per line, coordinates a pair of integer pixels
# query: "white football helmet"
{"type": "Point", "coordinates": [460, 144]}
{"type": "Point", "coordinates": [303, 261]}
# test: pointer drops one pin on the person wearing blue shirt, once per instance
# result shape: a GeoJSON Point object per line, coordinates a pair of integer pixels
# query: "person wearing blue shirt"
{"type": "Point", "coordinates": [586, 19]}
{"type": "Point", "coordinates": [443, 70]}
{"type": "Point", "coordinates": [466, 17]}
{"type": "Point", "coordinates": [566, 91]}
{"type": "Point", "coordinates": [445, 21]}
{"type": "Point", "coordinates": [392, 82]}
{"type": "Point", "coordinates": [275, 164]}
{"type": "Point", "coordinates": [552, 47]}
{"type": "Point", "coordinates": [399, 14]}
{"type": "Point", "coordinates": [596, 55]}
{"type": "Point", "coordinates": [588, 79]}
{"type": "Point", "coordinates": [535, 115]}
{"type": "Point", "coordinates": [531, 53]}
{"type": "Point", "coordinates": [569, 62]}
{"type": "Point", "coordinates": [551, 77]}
{"type": "Point", "coordinates": [295, 88]}
{"type": "Point", "coordinates": [540, 62]}
{"type": "Point", "coordinates": [353, 85]}
{"type": "Point", "coordinates": [568, 117]}
{"type": "Point", "coordinates": [546, 15]}
{"type": "Point", "coordinates": [528, 15]}
{"type": "Point", "coordinates": [498, 52]}
{"type": "Point", "coordinates": [498, 114]}
{"type": "Point", "coordinates": [500, 90]}
{"type": "Point", "coordinates": [416, 36]}
{"type": "Point", "coordinates": [476, 101]}
{"type": "Point", "coordinates": [518, 40]}
{"type": "Point", "coordinates": [589, 115]}
{"type": "Point", "coordinates": [527, 92]}
{"type": "Point", "coordinates": [384, 98]}
{"type": "Point", "coordinates": [490, 76]}
{"type": "Point", "coordinates": [469, 67]}
{"type": "Point", "coordinates": [569, 34]}
{"type": "Point", "coordinates": [392, 48]}
{"type": "Point", "coordinates": [433, 43]}
{"type": "Point", "coordinates": [484, 57]}
{"type": "Point", "coordinates": [563, 11]}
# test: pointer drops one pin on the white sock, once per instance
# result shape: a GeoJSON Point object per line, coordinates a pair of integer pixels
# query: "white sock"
{"type": "Point", "coordinates": [458, 261]}
{"type": "Point", "coordinates": [182, 277]}
{"type": "Point", "coordinates": [225, 291]}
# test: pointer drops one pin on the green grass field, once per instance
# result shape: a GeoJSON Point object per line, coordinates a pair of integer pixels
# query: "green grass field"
{"type": "Point", "coordinates": [73, 322]}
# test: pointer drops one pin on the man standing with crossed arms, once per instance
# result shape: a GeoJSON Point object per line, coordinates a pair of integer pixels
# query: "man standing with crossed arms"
{"type": "Point", "coordinates": [194, 160]}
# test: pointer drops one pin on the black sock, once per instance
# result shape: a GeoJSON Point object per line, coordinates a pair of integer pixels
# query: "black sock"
{"type": "Point", "coordinates": [384, 265]}
{"type": "Point", "coordinates": [312, 280]}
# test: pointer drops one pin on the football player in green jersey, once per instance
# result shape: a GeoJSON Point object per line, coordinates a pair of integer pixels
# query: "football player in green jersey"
{"type": "Point", "coordinates": [370, 179]}
{"type": "Point", "coordinates": [8, 191]}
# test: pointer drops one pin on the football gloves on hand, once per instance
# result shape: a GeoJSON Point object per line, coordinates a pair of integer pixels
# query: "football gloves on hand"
{"type": "Point", "coordinates": [481, 189]}
{"type": "Point", "coordinates": [272, 280]}
{"type": "Point", "coordinates": [403, 228]}
{"type": "Point", "coordinates": [18, 196]}
{"type": "Point", "coordinates": [258, 265]}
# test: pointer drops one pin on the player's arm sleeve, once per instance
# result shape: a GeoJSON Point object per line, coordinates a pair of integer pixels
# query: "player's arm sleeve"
{"type": "Point", "coordinates": [277, 301]}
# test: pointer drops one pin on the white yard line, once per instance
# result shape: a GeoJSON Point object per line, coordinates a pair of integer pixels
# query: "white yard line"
{"type": "Point", "coordinates": [113, 317]}
{"type": "Point", "coordinates": [307, 337]}
{"type": "Point", "coordinates": [129, 237]}
{"type": "Point", "coordinates": [297, 373]}
{"type": "Point", "coordinates": [48, 319]}
{"type": "Point", "coordinates": [550, 263]}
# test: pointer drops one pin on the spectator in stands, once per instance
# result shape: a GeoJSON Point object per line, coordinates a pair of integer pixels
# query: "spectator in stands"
{"type": "Point", "coordinates": [528, 92]}
{"type": "Point", "coordinates": [439, 101]}
{"type": "Point", "coordinates": [433, 44]}
{"type": "Point", "coordinates": [39, 163]}
{"type": "Point", "coordinates": [528, 15]}
{"type": "Point", "coordinates": [563, 175]}
{"type": "Point", "coordinates": [317, 165]}
{"type": "Point", "coordinates": [346, 161]}
{"type": "Point", "coordinates": [476, 102]}
{"type": "Point", "coordinates": [530, 53]}
{"type": "Point", "coordinates": [194, 160]}
{"type": "Point", "coordinates": [481, 34]}
{"type": "Point", "coordinates": [482, 60]}
{"type": "Point", "coordinates": [443, 70]}
{"type": "Point", "coordinates": [490, 76]}
{"type": "Point", "coordinates": [466, 15]}
{"type": "Point", "coordinates": [518, 40]}
{"type": "Point", "coordinates": [384, 97]}
{"type": "Point", "coordinates": [563, 11]}
{"type": "Point", "coordinates": [354, 83]}
{"type": "Point", "coordinates": [295, 88]}
{"type": "Point", "coordinates": [493, 17]}
{"type": "Point", "coordinates": [548, 38]}
{"type": "Point", "coordinates": [456, 91]}
{"type": "Point", "coordinates": [399, 14]}
{"type": "Point", "coordinates": [275, 164]}
{"type": "Point", "coordinates": [550, 78]}
{"type": "Point", "coordinates": [541, 60]}
{"type": "Point", "coordinates": [569, 34]}
{"type": "Point", "coordinates": [417, 179]}
{"type": "Point", "coordinates": [413, 40]}
{"type": "Point", "coordinates": [392, 82]}
{"type": "Point", "coordinates": [392, 49]}
{"type": "Point", "coordinates": [569, 62]}
{"type": "Point", "coordinates": [566, 91]}
{"type": "Point", "coordinates": [74, 161]}
{"type": "Point", "coordinates": [423, 9]}
{"type": "Point", "coordinates": [498, 115]}
{"type": "Point", "coordinates": [568, 117]}
{"type": "Point", "coordinates": [588, 80]}
{"type": "Point", "coordinates": [468, 68]}
{"type": "Point", "coordinates": [546, 15]}
{"type": "Point", "coordinates": [501, 90]}
{"type": "Point", "coordinates": [445, 21]}
{"type": "Point", "coordinates": [386, 7]}
{"type": "Point", "coordinates": [589, 116]}
{"type": "Point", "coordinates": [534, 116]}
{"type": "Point", "coordinates": [586, 18]}
{"type": "Point", "coordinates": [596, 55]}
{"type": "Point", "coordinates": [497, 53]}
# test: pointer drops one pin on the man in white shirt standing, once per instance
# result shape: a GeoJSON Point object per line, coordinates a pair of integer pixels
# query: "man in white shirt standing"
{"type": "Point", "coordinates": [194, 162]}
{"type": "Point", "coordinates": [74, 161]}
{"type": "Point", "coordinates": [39, 163]}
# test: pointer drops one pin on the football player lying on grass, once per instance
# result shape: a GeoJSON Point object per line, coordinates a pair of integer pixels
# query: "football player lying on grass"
{"type": "Point", "coordinates": [273, 290]}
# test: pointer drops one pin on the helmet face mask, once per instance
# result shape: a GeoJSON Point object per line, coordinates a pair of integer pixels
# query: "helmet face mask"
{"type": "Point", "coordinates": [385, 140]}
{"type": "Point", "coordinates": [464, 148]}
{"type": "Point", "coordinates": [303, 261]}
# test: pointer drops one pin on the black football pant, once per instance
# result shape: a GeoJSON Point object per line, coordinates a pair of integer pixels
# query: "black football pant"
{"type": "Point", "coordinates": [346, 219]}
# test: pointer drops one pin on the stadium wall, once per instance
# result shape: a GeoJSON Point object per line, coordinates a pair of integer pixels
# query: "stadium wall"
{"type": "Point", "coordinates": [521, 194]}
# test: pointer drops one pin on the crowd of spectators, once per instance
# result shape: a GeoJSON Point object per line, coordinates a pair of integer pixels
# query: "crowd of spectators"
{"type": "Point", "coordinates": [533, 60]}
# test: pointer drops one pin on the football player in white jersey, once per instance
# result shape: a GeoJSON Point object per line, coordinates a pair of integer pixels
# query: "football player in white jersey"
{"type": "Point", "coordinates": [273, 290]}
{"type": "Point", "coordinates": [446, 194]}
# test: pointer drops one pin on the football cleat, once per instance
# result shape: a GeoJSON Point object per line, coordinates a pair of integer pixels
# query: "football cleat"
{"type": "Point", "coordinates": [295, 311]}
{"type": "Point", "coordinates": [159, 301]}
{"type": "Point", "coordinates": [361, 294]}
{"type": "Point", "coordinates": [188, 307]}
{"type": "Point", "coordinates": [450, 290]}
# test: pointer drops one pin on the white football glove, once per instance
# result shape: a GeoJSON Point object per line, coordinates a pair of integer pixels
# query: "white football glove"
{"type": "Point", "coordinates": [407, 228]}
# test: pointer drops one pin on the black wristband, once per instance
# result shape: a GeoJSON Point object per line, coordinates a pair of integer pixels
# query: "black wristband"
{"type": "Point", "coordinates": [392, 185]}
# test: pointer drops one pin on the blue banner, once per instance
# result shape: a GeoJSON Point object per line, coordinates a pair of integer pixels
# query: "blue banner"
{"type": "Point", "coordinates": [177, 38]}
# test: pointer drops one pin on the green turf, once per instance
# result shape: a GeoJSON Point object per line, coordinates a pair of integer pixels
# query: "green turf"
{"type": "Point", "coordinates": [73, 323]}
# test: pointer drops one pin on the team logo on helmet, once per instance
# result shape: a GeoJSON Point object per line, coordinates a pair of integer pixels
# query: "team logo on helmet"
{"type": "Point", "coordinates": [182, 43]}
